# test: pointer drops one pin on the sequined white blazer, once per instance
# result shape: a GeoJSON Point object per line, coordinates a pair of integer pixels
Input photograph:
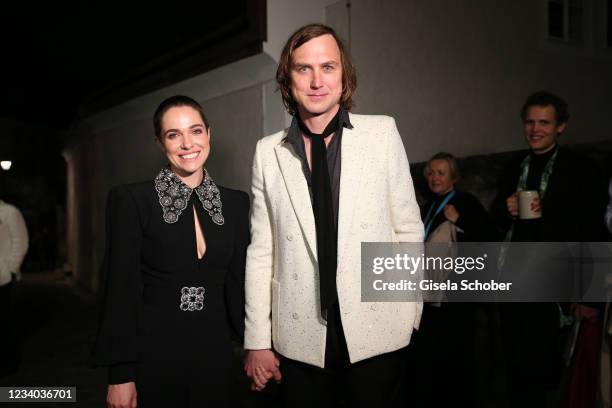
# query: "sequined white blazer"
{"type": "Point", "coordinates": [377, 203]}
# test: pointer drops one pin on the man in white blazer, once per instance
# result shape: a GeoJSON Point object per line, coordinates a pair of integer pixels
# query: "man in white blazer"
{"type": "Point", "coordinates": [322, 187]}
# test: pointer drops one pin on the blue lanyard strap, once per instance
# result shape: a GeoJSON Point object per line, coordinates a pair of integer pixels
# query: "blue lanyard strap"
{"type": "Point", "coordinates": [429, 218]}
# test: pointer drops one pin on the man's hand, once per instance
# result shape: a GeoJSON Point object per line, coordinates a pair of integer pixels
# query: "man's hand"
{"type": "Point", "coordinates": [451, 213]}
{"type": "Point", "coordinates": [121, 395]}
{"type": "Point", "coordinates": [260, 366]}
{"type": "Point", "coordinates": [512, 204]}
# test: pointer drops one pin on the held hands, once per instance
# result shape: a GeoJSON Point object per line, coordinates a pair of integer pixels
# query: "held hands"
{"type": "Point", "coordinates": [121, 395]}
{"type": "Point", "coordinates": [450, 213]}
{"type": "Point", "coordinates": [260, 366]}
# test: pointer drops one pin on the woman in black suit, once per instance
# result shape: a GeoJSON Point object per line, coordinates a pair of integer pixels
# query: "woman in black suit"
{"type": "Point", "coordinates": [173, 293]}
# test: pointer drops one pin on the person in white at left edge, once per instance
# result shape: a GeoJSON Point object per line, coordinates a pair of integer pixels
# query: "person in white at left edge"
{"type": "Point", "coordinates": [329, 182]}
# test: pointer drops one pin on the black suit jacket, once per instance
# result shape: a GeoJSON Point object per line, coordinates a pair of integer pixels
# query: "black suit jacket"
{"type": "Point", "coordinates": [146, 257]}
{"type": "Point", "coordinates": [572, 210]}
{"type": "Point", "coordinates": [573, 206]}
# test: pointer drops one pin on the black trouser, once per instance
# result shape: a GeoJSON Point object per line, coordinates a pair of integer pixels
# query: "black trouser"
{"type": "Point", "coordinates": [185, 358]}
{"type": "Point", "coordinates": [441, 363]}
{"type": "Point", "coordinates": [372, 383]}
{"type": "Point", "coordinates": [166, 387]}
{"type": "Point", "coordinates": [530, 335]}
{"type": "Point", "coordinates": [9, 351]}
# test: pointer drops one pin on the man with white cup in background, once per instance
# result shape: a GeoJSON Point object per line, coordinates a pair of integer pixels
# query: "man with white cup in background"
{"type": "Point", "coordinates": [550, 194]}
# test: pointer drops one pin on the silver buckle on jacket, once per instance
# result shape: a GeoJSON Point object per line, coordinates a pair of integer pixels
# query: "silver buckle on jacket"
{"type": "Point", "coordinates": [192, 298]}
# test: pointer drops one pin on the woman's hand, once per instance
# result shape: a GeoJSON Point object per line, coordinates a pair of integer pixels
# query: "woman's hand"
{"type": "Point", "coordinates": [121, 395]}
{"type": "Point", "coordinates": [260, 366]}
{"type": "Point", "coordinates": [450, 213]}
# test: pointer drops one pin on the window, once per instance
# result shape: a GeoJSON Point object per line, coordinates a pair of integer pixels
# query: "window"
{"type": "Point", "coordinates": [566, 20]}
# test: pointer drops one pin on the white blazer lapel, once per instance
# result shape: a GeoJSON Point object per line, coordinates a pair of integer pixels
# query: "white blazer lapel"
{"type": "Point", "coordinates": [295, 182]}
{"type": "Point", "coordinates": [351, 172]}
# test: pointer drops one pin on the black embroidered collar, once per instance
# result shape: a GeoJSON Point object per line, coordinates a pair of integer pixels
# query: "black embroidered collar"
{"type": "Point", "coordinates": [174, 196]}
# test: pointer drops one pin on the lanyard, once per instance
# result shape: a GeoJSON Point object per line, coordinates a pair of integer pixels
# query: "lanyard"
{"type": "Point", "coordinates": [522, 184]}
{"type": "Point", "coordinates": [429, 218]}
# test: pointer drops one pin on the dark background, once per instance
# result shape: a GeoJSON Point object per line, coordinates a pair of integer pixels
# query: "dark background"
{"type": "Point", "coordinates": [64, 62]}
